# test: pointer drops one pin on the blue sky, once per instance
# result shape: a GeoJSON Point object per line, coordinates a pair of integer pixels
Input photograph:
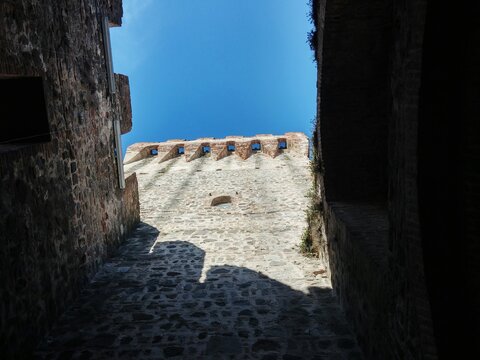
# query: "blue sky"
{"type": "Point", "coordinates": [212, 68]}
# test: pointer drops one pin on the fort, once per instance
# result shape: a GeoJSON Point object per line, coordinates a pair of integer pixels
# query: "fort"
{"type": "Point", "coordinates": [214, 269]}
{"type": "Point", "coordinates": [241, 146]}
{"type": "Point", "coordinates": [191, 249]}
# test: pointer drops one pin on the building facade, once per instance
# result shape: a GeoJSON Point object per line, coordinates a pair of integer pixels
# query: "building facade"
{"type": "Point", "coordinates": [396, 165]}
{"type": "Point", "coordinates": [64, 202]}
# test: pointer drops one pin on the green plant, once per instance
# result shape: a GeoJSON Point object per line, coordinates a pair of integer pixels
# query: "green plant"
{"type": "Point", "coordinates": [313, 210]}
{"type": "Point", "coordinates": [316, 163]}
{"type": "Point", "coordinates": [312, 36]}
{"type": "Point", "coordinates": [306, 242]}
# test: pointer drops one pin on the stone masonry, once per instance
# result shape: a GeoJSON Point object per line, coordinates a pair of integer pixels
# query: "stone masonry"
{"type": "Point", "coordinates": [396, 149]}
{"type": "Point", "coordinates": [214, 269]}
{"type": "Point", "coordinates": [62, 209]}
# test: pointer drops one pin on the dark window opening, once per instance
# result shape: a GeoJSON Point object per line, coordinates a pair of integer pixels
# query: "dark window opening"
{"type": "Point", "coordinates": [23, 112]}
{"type": "Point", "coordinates": [181, 150]}
{"type": "Point", "coordinates": [256, 146]}
{"type": "Point", "coordinates": [206, 149]}
{"type": "Point", "coordinates": [282, 145]}
{"type": "Point", "coordinates": [154, 152]}
{"type": "Point", "coordinates": [230, 147]}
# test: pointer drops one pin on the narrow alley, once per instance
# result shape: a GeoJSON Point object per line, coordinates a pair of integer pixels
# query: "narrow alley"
{"type": "Point", "coordinates": [203, 281]}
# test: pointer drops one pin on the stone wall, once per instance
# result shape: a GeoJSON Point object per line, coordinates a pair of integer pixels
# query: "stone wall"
{"type": "Point", "coordinates": [62, 210]}
{"type": "Point", "coordinates": [447, 137]}
{"type": "Point", "coordinates": [381, 288]}
{"type": "Point", "coordinates": [354, 93]}
{"type": "Point", "coordinates": [396, 64]}
{"type": "Point", "coordinates": [297, 144]}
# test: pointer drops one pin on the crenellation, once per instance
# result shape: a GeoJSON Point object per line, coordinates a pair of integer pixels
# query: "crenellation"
{"type": "Point", "coordinates": [218, 251]}
{"type": "Point", "coordinates": [297, 144]}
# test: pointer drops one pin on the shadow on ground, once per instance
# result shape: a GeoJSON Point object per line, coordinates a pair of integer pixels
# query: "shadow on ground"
{"type": "Point", "coordinates": [148, 303]}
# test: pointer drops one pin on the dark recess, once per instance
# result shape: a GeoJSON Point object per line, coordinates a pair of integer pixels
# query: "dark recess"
{"type": "Point", "coordinates": [23, 111]}
{"type": "Point", "coordinates": [448, 174]}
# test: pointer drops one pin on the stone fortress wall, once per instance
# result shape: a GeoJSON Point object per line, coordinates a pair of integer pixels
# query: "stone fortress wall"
{"type": "Point", "coordinates": [220, 148]}
{"type": "Point", "coordinates": [214, 270]}
{"type": "Point", "coordinates": [62, 209]}
{"type": "Point", "coordinates": [396, 145]}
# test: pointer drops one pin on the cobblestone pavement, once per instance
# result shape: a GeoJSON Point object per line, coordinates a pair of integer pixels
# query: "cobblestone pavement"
{"type": "Point", "coordinates": [196, 281]}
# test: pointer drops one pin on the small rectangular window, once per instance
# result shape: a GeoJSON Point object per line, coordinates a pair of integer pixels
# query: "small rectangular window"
{"type": "Point", "coordinates": [230, 147]}
{"type": "Point", "coordinates": [282, 145]}
{"type": "Point", "coordinates": [23, 112]}
{"type": "Point", "coordinates": [256, 146]}
{"type": "Point", "coordinates": [154, 152]}
{"type": "Point", "coordinates": [206, 149]}
{"type": "Point", "coordinates": [180, 150]}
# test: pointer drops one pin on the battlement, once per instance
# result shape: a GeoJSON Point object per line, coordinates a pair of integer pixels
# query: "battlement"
{"type": "Point", "coordinates": [293, 143]}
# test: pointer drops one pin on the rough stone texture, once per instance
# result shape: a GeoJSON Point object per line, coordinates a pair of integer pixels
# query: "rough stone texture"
{"type": "Point", "coordinates": [125, 106]}
{"type": "Point", "coordinates": [130, 211]}
{"type": "Point", "coordinates": [61, 209]}
{"type": "Point", "coordinates": [392, 257]}
{"type": "Point", "coordinates": [354, 91]}
{"type": "Point", "coordinates": [197, 281]}
{"type": "Point", "coordinates": [381, 295]}
{"type": "Point", "coordinates": [114, 10]}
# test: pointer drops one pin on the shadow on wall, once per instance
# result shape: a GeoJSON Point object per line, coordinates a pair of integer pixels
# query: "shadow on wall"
{"type": "Point", "coordinates": [149, 300]}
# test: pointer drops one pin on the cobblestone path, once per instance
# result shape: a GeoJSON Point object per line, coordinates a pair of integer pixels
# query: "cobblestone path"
{"type": "Point", "coordinates": [196, 281]}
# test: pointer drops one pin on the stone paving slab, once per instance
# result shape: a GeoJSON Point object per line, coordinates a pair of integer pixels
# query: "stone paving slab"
{"type": "Point", "coordinates": [196, 281]}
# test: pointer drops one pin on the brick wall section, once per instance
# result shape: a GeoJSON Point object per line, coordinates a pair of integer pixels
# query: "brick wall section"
{"type": "Point", "coordinates": [296, 143]}
{"type": "Point", "coordinates": [411, 321]}
{"type": "Point", "coordinates": [356, 234]}
{"type": "Point", "coordinates": [61, 208]}
{"type": "Point", "coordinates": [219, 150]}
{"type": "Point", "coordinates": [167, 152]}
{"type": "Point", "coordinates": [270, 147]}
{"type": "Point", "coordinates": [193, 151]}
{"type": "Point", "coordinates": [355, 98]}
{"type": "Point", "coordinates": [243, 149]}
